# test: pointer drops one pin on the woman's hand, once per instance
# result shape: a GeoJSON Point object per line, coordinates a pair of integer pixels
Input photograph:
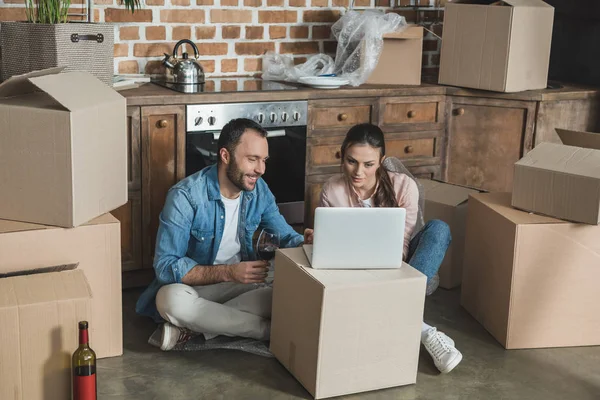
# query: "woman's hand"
{"type": "Point", "coordinates": [308, 236]}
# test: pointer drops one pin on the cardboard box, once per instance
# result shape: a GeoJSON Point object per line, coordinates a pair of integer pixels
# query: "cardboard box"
{"type": "Point", "coordinates": [96, 246]}
{"type": "Point", "coordinates": [448, 203]}
{"type": "Point", "coordinates": [346, 331]}
{"type": "Point", "coordinates": [503, 47]}
{"type": "Point", "coordinates": [531, 280]}
{"type": "Point", "coordinates": [561, 181]}
{"type": "Point", "coordinates": [400, 59]}
{"type": "Point", "coordinates": [63, 148]}
{"type": "Point", "coordinates": [39, 333]}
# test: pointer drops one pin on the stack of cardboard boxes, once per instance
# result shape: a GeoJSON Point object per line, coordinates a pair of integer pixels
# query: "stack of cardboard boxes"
{"type": "Point", "coordinates": [529, 277]}
{"type": "Point", "coordinates": [63, 168]}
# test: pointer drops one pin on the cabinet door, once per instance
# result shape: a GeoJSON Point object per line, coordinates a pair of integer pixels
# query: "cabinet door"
{"type": "Point", "coordinates": [163, 165]}
{"type": "Point", "coordinates": [134, 166]}
{"type": "Point", "coordinates": [130, 216]}
{"type": "Point", "coordinates": [486, 138]}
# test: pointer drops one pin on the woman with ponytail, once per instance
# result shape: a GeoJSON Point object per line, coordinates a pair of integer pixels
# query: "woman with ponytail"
{"type": "Point", "coordinates": [365, 182]}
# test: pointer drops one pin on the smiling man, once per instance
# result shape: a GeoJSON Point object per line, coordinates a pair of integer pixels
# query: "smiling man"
{"type": "Point", "coordinates": [207, 280]}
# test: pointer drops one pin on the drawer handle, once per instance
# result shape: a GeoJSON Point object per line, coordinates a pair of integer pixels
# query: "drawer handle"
{"type": "Point", "coordinates": [409, 149]}
{"type": "Point", "coordinates": [163, 123]}
{"type": "Point", "coordinates": [459, 111]}
{"type": "Point", "coordinates": [342, 116]}
{"type": "Point", "coordinates": [338, 155]}
{"type": "Point", "coordinates": [411, 114]}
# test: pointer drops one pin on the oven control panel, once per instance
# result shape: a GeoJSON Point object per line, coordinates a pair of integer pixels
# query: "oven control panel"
{"type": "Point", "coordinates": [213, 117]}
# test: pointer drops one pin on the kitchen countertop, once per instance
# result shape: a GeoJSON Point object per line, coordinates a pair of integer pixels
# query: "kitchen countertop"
{"type": "Point", "coordinates": [151, 94]}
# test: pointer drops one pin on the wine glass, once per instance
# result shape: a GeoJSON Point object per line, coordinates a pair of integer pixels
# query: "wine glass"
{"type": "Point", "coordinates": [267, 244]}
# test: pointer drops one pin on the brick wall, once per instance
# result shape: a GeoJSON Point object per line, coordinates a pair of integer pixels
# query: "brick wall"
{"type": "Point", "coordinates": [231, 35]}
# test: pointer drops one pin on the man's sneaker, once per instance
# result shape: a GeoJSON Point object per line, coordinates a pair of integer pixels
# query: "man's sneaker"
{"type": "Point", "coordinates": [173, 335]}
{"type": "Point", "coordinates": [432, 285]}
{"type": "Point", "coordinates": [441, 348]}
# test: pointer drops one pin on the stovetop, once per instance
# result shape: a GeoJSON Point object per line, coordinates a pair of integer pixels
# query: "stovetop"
{"type": "Point", "coordinates": [226, 84]}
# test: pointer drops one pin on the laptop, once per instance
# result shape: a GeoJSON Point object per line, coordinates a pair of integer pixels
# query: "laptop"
{"type": "Point", "coordinates": [357, 238]}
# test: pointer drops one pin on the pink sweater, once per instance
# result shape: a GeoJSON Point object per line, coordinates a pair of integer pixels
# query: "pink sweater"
{"type": "Point", "coordinates": [337, 192]}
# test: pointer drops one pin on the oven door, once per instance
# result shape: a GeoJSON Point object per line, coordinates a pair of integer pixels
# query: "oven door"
{"type": "Point", "coordinates": [285, 169]}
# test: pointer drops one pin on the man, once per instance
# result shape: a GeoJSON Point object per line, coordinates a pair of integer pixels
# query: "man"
{"type": "Point", "coordinates": [206, 279]}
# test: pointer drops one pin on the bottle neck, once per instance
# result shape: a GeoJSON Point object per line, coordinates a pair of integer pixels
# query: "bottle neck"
{"type": "Point", "coordinates": [83, 338]}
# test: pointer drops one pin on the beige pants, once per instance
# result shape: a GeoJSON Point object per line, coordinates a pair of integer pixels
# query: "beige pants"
{"type": "Point", "coordinates": [231, 309]}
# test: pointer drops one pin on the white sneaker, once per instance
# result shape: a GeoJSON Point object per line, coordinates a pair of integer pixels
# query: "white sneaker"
{"type": "Point", "coordinates": [173, 335]}
{"type": "Point", "coordinates": [441, 348]}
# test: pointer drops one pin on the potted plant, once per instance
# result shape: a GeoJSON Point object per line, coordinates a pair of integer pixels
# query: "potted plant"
{"type": "Point", "coordinates": [49, 40]}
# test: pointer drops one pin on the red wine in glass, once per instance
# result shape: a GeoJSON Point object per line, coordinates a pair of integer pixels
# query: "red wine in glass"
{"type": "Point", "coordinates": [267, 253]}
{"type": "Point", "coordinates": [268, 243]}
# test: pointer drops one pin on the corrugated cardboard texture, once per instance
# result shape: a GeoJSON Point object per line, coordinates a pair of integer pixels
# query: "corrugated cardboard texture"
{"type": "Point", "coordinates": [588, 140]}
{"type": "Point", "coordinates": [487, 271]}
{"type": "Point", "coordinates": [449, 204]}
{"type": "Point", "coordinates": [560, 181]}
{"type": "Point", "coordinates": [503, 48]}
{"type": "Point", "coordinates": [400, 59]}
{"type": "Point", "coordinates": [367, 322]}
{"type": "Point", "coordinates": [63, 148]}
{"type": "Point", "coordinates": [531, 283]}
{"type": "Point", "coordinates": [531, 38]}
{"type": "Point", "coordinates": [96, 247]}
{"type": "Point", "coordinates": [38, 329]}
{"type": "Point", "coordinates": [555, 300]}
{"type": "Point", "coordinates": [295, 321]}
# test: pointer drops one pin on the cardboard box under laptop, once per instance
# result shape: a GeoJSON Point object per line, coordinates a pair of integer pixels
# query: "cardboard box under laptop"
{"type": "Point", "coordinates": [96, 247]}
{"type": "Point", "coordinates": [400, 58]}
{"type": "Point", "coordinates": [63, 148]}
{"type": "Point", "coordinates": [448, 203]}
{"type": "Point", "coordinates": [561, 180]}
{"type": "Point", "coordinates": [531, 280]}
{"type": "Point", "coordinates": [38, 326]}
{"type": "Point", "coordinates": [501, 46]}
{"type": "Point", "coordinates": [346, 331]}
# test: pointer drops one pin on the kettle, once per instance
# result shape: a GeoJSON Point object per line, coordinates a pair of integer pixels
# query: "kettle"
{"type": "Point", "coordinates": [184, 70]}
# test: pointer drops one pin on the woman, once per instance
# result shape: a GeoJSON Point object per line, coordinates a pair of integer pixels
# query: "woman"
{"type": "Point", "coordinates": [364, 182]}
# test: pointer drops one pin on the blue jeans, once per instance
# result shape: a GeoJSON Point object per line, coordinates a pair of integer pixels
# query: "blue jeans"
{"type": "Point", "coordinates": [427, 249]}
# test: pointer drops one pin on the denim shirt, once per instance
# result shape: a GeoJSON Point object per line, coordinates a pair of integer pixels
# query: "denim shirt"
{"type": "Point", "coordinates": [191, 226]}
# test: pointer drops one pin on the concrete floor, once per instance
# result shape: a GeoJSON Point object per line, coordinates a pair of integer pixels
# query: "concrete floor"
{"type": "Point", "coordinates": [487, 371]}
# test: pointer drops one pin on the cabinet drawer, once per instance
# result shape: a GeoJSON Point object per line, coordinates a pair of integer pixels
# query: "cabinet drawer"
{"type": "Point", "coordinates": [322, 154]}
{"type": "Point", "coordinates": [410, 148]}
{"type": "Point", "coordinates": [410, 113]}
{"type": "Point", "coordinates": [336, 117]}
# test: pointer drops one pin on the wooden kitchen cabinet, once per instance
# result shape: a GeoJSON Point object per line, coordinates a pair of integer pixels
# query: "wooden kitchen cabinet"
{"type": "Point", "coordinates": [156, 150]}
{"type": "Point", "coordinates": [486, 137]}
{"type": "Point", "coordinates": [414, 128]}
{"type": "Point", "coordinates": [163, 165]}
{"type": "Point", "coordinates": [464, 136]}
{"type": "Point", "coordinates": [130, 214]}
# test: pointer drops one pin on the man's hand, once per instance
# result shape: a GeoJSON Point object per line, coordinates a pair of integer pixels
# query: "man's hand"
{"type": "Point", "coordinates": [249, 272]}
{"type": "Point", "coordinates": [308, 236]}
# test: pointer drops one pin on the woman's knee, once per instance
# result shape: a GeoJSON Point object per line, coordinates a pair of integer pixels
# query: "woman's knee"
{"type": "Point", "coordinates": [440, 230]}
{"type": "Point", "coordinates": [172, 298]}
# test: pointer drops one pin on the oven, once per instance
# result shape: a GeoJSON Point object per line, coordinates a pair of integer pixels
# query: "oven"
{"type": "Point", "coordinates": [285, 122]}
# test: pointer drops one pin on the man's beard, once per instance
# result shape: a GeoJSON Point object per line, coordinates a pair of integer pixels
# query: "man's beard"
{"type": "Point", "coordinates": [236, 176]}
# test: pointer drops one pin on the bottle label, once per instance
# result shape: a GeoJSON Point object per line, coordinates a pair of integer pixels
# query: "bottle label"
{"type": "Point", "coordinates": [84, 387]}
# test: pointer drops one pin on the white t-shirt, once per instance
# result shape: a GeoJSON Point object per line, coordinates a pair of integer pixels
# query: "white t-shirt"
{"type": "Point", "coordinates": [230, 249]}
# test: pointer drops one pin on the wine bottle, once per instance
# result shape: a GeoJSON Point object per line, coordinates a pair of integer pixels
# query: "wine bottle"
{"type": "Point", "coordinates": [84, 367]}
